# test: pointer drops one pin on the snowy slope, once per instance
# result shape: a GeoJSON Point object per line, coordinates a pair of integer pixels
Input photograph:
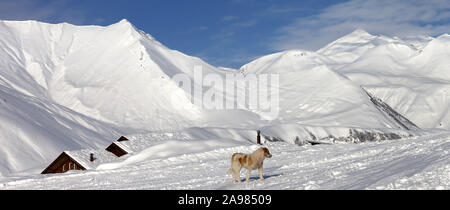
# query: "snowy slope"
{"type": "Point", "coordinates": [33, 131]}
{"type": "Point", "coordinates": [417, 163]}
{"type": "Point", "coordinates": [349, 48]}
{"type": "Point", "coordinates": [411, 76]}
{"type": "Point", "coordinates": [109, 73]}
{"type": "Point", "coordinates": [315, 100]}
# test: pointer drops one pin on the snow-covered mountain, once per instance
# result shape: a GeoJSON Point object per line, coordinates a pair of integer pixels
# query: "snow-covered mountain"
{"type": "Point", "coordinates": [83, 86]}
{"type": "Point", "coordinates": [71, 87]}
{"type": "Point", "coordinates": [313, 94]}
{"type": "Point", "coordinates": [109, 73]}
{"type": "Point", "coordinates": [410, 75]}
{"type": "Point", "coordinates": [317, 102]}
{"type": "Point", "coordinates": [67, 87]}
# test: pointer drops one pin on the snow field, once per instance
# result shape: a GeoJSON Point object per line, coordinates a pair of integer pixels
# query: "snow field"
{"type": "Point", "coordinates": [416, 163]}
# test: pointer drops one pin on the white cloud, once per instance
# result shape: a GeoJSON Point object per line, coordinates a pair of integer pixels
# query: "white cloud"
{"type": "Point", "coordinates": [247, 23]}
{"type": "Point", "coordinates": [236, 22]}
{"type": "Point", "coordinates": [53, 11]}
{"type": "Point", "coordinates": [399, 18]}
{"type": "Point", "coordinates": [229, 18]}
{"type": "Point", "coordinates": [21, 9]}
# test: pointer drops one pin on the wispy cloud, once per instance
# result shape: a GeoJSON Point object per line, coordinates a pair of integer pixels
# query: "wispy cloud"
{"type": "Point", "coordinates": [48, 11]}
{"type": "Point", "coordinates": [277, 10]}
{"type": "Point", "coordinates": [223, 35]}
{"type": "Point", "coordinates": [236, 22]}
{"type": "Point", "coordinates": [21, 9]}
{"type": "Point", "coordinates": [229, 18]}
{"type": "Point", "coordinates": [246, 23]}
{"type": "Point", "coordinates": [399, 18]}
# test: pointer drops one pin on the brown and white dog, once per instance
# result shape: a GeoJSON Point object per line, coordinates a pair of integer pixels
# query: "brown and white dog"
{"type": "Point", "coordinates": [250, 162]}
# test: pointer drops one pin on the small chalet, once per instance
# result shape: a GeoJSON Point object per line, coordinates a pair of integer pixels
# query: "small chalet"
{"type": "Point", "coordinates": [63, 163]}
{"type": "Point", "coordinates": [122, 138]}
{"type": "Point", "coordinates": [118, 148]}
{"type": "Point", "coordinates": [86, 159]}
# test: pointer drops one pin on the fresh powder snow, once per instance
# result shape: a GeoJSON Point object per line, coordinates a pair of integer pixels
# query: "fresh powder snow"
{"type": "Point", "coordinates": [414, 163]}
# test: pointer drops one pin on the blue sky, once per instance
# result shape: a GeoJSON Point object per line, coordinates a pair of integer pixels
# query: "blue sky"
{"type": "Point", "coordinates": [231, 33]}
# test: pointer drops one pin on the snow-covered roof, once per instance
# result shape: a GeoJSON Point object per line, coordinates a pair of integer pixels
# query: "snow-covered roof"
{"type": "Point", "coordinates": [124, 146]}
{"type": "Point", "coordinates": [102, 156]}
{"type": "Point", "coordinates": [139, 143]}
{"type": "Point", "coordinates": [83, 157]}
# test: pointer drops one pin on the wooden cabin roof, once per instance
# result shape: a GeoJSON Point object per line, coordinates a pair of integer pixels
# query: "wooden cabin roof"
{"type": "Point", "coordinates": [59, 161]}
{"type": "Point", "coordinates": [82, 159]}
{"type": "Point", "coordinates": [100, 157]}
{"type": "Point", "coordinates": [122, 138]}
{"type": "Point", "coordinates": [117, 149]}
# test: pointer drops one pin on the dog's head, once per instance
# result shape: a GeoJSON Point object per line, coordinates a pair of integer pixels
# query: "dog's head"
{"type": "Point", "coordinates": [266, 152]}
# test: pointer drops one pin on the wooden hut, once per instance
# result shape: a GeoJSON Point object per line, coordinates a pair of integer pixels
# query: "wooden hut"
{"type": "Point", "coordinates": [122, 138]}
{"type": "Point", "coordinates": [88, 159]}
{"type": "Point", "coordinates": [63, 163]}
{"type": "Point", "coordinates": [116, 149]}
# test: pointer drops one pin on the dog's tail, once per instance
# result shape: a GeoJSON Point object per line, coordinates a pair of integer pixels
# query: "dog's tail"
{"type": "Point", "coordinates": [230, 171]}
{"type": "Point", "coordinates": [231, 168]}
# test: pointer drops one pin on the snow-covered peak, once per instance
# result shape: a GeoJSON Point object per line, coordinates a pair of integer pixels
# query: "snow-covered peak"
{"type": "Point", "coordinates": [409, 73]}
{"type": "Point", "coordinates": [125, 21]}
{"type": "Point", "coordinates": [125, 24]}
{"type": "Point", "coordinates": [109, 73]}
{"type": "Point", "coordinates": [360, 32]}
{"type": "Point", "coordinates": [433, 60]}
{"type": "Point", "coordinates": [312, 93]}
{"type": "Point", "coordinates": [350, 47]}
{"type": "Point", "coordinates": [125, 29]}
{"type": "Point", "coordinates": [286, 61]}
{"type": "Point", "coordinates": [436, 48]}
{"type": "Point", "coordinates": [359, 35]}
{"type": "Point", "coordinates": [444, 37]}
